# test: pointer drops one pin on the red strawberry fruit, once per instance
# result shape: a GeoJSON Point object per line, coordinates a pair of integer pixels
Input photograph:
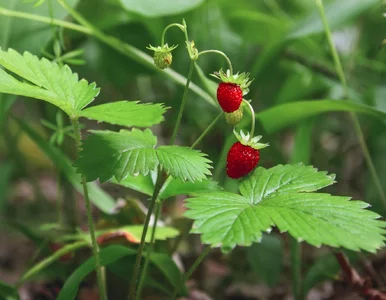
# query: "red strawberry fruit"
{"type": "Point", "coordinates": [231, 89]}
{"type": "Point", "coordinates": [229, 96]}
{"type": "Point", "coordinates": [243, 156]}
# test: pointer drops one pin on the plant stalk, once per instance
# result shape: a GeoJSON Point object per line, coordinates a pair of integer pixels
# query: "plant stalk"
{"type": "Point", "coordinates": [183, 102]}
{"type": "Point", "coordinates": [206, 131]}
{"type": "Point", "coordinates": [95, 248]}
{"type": "Point", "coordinates": [253, 118]}
{"type": "Point", "coordinates": [222, 54]}
{"type": "Point", "coordinates": [149, 250]}
{"type": "Point", "coordinates": [161, 178]}
{"type": "Point", "coordinates": [354, 118]}
{"type": "Point", "coordinates": [187, 275]}
{"type": "Point", "coordinates": [297, 289]}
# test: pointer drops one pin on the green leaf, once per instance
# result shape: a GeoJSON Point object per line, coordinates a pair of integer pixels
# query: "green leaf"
{"type": "Point", "coordinates": [184, 163]}
{"type": "Point", "coordinates": [8, 292]}
{"type": "Point", "coordinates": [98, 197]}
{"type": "Point", "coordinates": [176, 187]}
{"type": "Point", "coordinates": [338, 12]}
{"type": "Point", "coordinates": [110, 255]}
{"type": "Point", "coordinates": [126, 113]}
{"type": "Point", "coordinates": [157, 8]}
{"type": "Point", "coordinates": [266, 258]}
{"type": "Point", "coordinates": [54, 84]}
{"type": "Point", "coordinates": [282, 116]}
{"type": "Point", "coordinates": [140, 183]}
{"type": "Point", "coordinates": [106, 154]}
{"type": "Point", "coordinates": [280, 197]}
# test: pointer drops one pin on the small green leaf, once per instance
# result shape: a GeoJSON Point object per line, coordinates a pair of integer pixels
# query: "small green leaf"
{"type": "Point", "coordinates": [266, 258]}
{"type": "Point", "coordinates": [276, 198]}
{"type": "Point", "coordinates": [184, 163]}
{"type": "Point", "coordinates": [106, 154]}
{"type": "Point", "coordinates": [51, 83]}
{"type": "Point", "coordinates": [178, 187]}
{"type": "Point", "coordinates": [126, 113]}
{"type": "Point", "coordinates": [8, 292]}
{"type": "Point", "coordinates": [140, 183]}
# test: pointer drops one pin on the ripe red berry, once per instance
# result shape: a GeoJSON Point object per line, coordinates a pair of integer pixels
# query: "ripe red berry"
{"type": "Point", "coordinates": [241, 160]}
{"type": "Point", "coordinates": [229, 96]}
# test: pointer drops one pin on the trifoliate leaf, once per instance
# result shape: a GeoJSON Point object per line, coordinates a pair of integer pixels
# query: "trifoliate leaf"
{"type": "Point", "coordinates": [126, 113]}
{"type": "Point", "coordinates": [106, 154]}
{"type": "Point", "coordinates": [183, 163]}
{"type": "Point", "coordinates": [276, 197]}
{"type": "Point", "coordinates": [49, 82]}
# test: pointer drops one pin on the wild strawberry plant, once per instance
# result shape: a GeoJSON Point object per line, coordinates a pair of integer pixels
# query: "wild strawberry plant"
{"type": "Point", "coordinates": [284, 196]}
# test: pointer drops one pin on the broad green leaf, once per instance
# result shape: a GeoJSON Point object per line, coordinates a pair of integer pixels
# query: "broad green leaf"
{"type": "Point", "coordinates": [106, 154]}
{"type": "Point", "coordinates": [171, 188]}
{"type": "Point", "coordinates": [178, 187]}
{"type": "Point", "coordinates": [54, 84]}
{"type": "Point", "coordinates": [8, 292]}
{"type": "Point", "coordinates": [274, 198]}
{"type": "Point", "coordinates": [110, 255]}
{"type": "Point", "coordinates": [283, 179]}
{"type": "Point", "coordinates": [126, 113]}
{"type": "Point", "coordinates": [107, 256]}
{"type": "Point", "coordinates": [282, 116]}
{"type": "Point", "coordinates": [157, 8]}
{"type": "Point", "coordinates": [266, 258]}
{"type": "Point", "coordinates": [338, 12]}
{"type": "Point", "coordinates": [184, 163]}
{"type": "Point", "coordinates": [98, 197]}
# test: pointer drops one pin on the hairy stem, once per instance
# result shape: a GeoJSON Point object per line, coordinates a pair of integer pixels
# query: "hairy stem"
{"type": "Point", "coordinates": [354, 118]}
{"type": "Point", "coordinates": [95, 248]}
{"type": "Point", "coordinates": [183, 102]}
{"type": "Point", "coordinates": [189, 273]}
{"type": "Point", "coordinates": [161, 178]}
{"type": "Point", "coordinates": [149, 250]}
{"type": "Point", "coordinates": [222, 54]}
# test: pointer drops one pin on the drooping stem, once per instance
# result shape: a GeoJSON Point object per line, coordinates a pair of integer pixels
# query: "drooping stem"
{"type": "Point", "coordinates": [149, 250]}
{"type": "Point", "coordinates": [206, 131]}
{"type": "Point", "coordinates": [95, 248]}
{"type": "Point", "coordinates": [222, 54]}
{"type": "Point", "coordinates": [252, 132]}
{"type": "Point", "coordinates": [183, 102]}
{"type": "Point", "coordinates": [168, 27]}
{"type": "Point", "coordinates": [189, 273]}
{"type": "Point", "coordinates": [296, 265]}
{"type": "Point", "coordinates": [161, 178]}
{"type": "Point", "coordinates": [354, 118]}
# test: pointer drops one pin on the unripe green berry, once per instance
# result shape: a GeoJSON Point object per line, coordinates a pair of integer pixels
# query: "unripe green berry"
{"type": "Point", "coordinates": [163, 59]}
{"type": "Point", "coordinates": [235, 117]}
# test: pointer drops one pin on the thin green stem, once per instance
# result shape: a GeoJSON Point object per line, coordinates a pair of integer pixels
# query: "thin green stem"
{"type": "Point", "coordinates": [205, 132]}
{"type": "Point", "coordinates": [183, 102]}
{"type": "Point", "coordinates": [161, 178]}
{"type": "Point", "coordinates": [168, 27]}
{"type": "Point", "coordinates": [187, 275]}
{"type": "Point", "coordinates": [355, 120]}
{"type": "Point", "coordinates": [49, 260]}
{"type": "Point", "coordinates": [149, 250]}
{"type": "Point", "coordinates": [296, 275]}
{"type": "Point", "coordinates": [69, 25]}
{"type": "Point", "coordinates": [95, 248]}
{"type": "Point", "coordinates": [252, 132]}
{"type": "Point", "coordinates": [222, 54]}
